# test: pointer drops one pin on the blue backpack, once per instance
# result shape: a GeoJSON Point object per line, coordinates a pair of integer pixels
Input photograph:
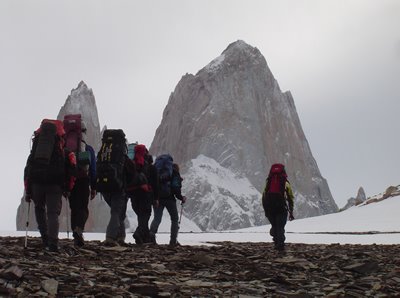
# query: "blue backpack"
{"type": "Point", "coordinates": [163, 165]}
{"type": "Point", "coordinates": [131, 150]}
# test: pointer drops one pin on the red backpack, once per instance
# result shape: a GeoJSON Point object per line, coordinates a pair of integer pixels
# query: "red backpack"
{"type": "Point", "coordinates": [73, 132]}
{"type": "Point", "coordinates": [277, 179]}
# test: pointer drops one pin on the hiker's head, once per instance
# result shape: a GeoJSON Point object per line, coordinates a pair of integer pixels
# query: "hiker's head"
{"type": "Point", "coordinates": [175, 166]}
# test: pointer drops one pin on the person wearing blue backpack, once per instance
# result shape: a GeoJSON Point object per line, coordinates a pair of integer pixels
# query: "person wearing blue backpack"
{"type": "Point", "coordinates": [169, 190]}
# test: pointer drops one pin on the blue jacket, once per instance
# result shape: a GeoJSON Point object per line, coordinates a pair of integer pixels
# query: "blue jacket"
{"type": "Point", "coordinates": [92, 166]}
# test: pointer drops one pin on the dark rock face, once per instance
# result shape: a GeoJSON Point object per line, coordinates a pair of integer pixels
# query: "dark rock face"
{"type": "Point", "coordinates": [80, 101]}
{"type": "Point", "coordinates": [225, 270]}
{"type": "Point", "coordinates": [233, 111]}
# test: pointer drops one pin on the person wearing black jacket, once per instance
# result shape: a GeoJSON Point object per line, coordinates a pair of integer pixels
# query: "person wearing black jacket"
{"type": "Point", "coordinates": [170, 204]}
{"type": "Point", "coordinates": [143, 192]}
{"type": "Point", "coordinates": [45, 184]}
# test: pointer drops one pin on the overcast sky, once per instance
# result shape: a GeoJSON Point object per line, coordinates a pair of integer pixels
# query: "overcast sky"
{"type": "Point", "coordinates": [340, 60]}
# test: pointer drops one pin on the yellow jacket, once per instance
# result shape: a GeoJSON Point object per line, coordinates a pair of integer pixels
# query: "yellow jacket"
{"type": "Point", "coordinates": [289, 196]}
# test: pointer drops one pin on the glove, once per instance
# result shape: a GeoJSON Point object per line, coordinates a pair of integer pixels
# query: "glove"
{"type": "Point", "coordinates": [28, 198]}
{"type": "Point", "coordinates": [291, 217]}
{"type": "Point", "coordinates": [92, 194]}
{"type": "Point", "coordinates": [183, 199]}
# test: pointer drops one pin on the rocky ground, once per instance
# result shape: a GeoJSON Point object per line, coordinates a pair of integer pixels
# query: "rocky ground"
{"type": "Point", "coordinates": [226, 269]}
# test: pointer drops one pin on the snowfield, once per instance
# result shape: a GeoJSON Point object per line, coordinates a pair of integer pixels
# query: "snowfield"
{"type": "Point", "coordinates": [377, 223]}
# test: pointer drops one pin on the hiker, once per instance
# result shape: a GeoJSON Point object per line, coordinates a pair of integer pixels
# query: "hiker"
{"type": "Point", "coordinates": [113, 170]}
{"type": "Point", "coordinates": [143, 192]}
{"type": "Point", "coordinates": [277, 200]}
{"type": "Point", "coordinates": [49, 174]}
{"type": "Point", "coordinates": [169, 191]}
{"type": "Point", "coordinates": [85, 184]}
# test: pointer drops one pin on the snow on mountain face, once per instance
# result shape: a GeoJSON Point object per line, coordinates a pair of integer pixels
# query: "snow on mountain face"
{"type": "Point", "coordinates": [214, 190]}
{"type": "Point", "coordinates": [234, 112]}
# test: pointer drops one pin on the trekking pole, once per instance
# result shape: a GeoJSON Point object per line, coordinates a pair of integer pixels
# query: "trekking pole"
{"type": "Point", "coordinates": [26, 228]}
{"type": "Point", "coordinates": [180, 217]}
{"type": "Point", "coordinates": [66, 207]}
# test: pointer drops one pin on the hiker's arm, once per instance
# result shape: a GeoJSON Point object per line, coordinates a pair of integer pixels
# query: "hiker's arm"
{"type": "Point", "coordinates": [177, 190]}
{"type": "Point", "coordinates": [154, 181]}
{"type": "Point", "coordinates": [27, 182]}
{"type": "Point", "coordinates": [92, 168]}
{"type": "Point", "coordinates": [290, 198]}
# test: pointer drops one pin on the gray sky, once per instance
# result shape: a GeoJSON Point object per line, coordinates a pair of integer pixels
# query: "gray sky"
{"type": "Point", "coordinates": [340, 60]}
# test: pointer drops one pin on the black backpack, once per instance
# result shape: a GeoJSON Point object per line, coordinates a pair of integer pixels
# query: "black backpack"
{"type": "Point", "coordinates": [111, 162]}
{"type": "Point", "coordinates": [47, 161]}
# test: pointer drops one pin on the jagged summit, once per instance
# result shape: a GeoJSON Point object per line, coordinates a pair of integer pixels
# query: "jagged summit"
{"type": "Point", "coordinates": [237, 54]}
{"type": "Point", "coordinates": [81, 84]}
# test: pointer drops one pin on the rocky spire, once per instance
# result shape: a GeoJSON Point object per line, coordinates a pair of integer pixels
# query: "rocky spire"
{"type": "Point", "coordinates": [234, 112]}
{"type": "Point", "coordinates": [80, 101]}
{"type": "Point", "coordinates": [360, 198]}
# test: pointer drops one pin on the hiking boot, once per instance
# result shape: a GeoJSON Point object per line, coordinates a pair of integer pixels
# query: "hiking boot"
{"type": "Point", "coordinates": [121, 241]}
{"type": "Point", "coordinates": [174, 243]}
{"type": "Point", "coordinates": [280, 246]}
{"type": "Point", "coordinates": [78, 237]}
{"type": "Point", "coordinates": [138, 239]}
{"type": "Point", "coordinates": [45, 241]}
{"type": "Point", "coordinates": [52, 245]}
{"type": "Point", "coordinates": [152, 238]}
{"type": "Point", "coordinates": [110, 242]}
{"type": "Point", "coordinates": [53, 248]}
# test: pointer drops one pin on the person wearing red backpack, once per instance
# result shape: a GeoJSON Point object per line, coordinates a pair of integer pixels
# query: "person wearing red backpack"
{"type": "Point", "coordinates": [143, 192]}
{"type": "Point", "coordinates": [277, 200]}
{"type": "Point", "coordinates": [49, 174]}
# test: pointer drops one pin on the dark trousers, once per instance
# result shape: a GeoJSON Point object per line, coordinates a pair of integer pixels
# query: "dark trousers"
{"type": "Point", "coordinates": [47, 200]}
{"type": "Point", "coordinates": [141, 204]}
{"type": "Point", "coordinates": [173, 213]}
{"type": "Point", "coordinates": [78, 202]}
{"type": "Point", "coordinates": [277, 231]}
{"type": "Point", "coordinates": [275, 210]}
{"type": "Point", "coordinates": [116, 226]}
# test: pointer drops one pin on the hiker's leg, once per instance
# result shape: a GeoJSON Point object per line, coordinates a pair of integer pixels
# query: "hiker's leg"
{"type": "Point", "coordinates": [140, 232]}
{"type": "Point", "coordinates": [272, 220]}
{"type": "Point", "coordinates": [54, 205]}
{"type": "Point", "coordinates": [83, 195]}
{"type": "Point", "coordinates": [39, 199]}
{"type": "Point", "coordinates": [116, 202]}
{"type": "Point", "coordinates": [158, 213]}
{"type": "Point", "coordinates": [281, 220]}
{"type": "Point", "coordinates": [173, 212]}
{"type": "Point", "coordinates": [145, 213]}
{"type": "Point", "coordinates": [122, 216]}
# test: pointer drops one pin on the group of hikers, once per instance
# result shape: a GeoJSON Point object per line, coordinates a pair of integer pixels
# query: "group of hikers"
{"type": "Point", "coordinates": [61, 163]}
